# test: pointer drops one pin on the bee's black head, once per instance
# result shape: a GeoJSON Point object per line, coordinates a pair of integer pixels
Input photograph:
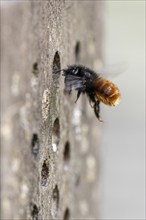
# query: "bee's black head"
{"type": "Point", "coordinates": [80, 71]}
{"type": "Point", "coordinates": [72, 70]}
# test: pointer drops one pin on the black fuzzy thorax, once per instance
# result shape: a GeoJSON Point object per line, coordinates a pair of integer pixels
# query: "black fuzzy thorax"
{"type": "Point", "coordinates": [84, 75]}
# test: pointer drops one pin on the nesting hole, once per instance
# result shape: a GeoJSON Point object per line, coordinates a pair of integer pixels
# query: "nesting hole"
{"type": "Point", "coordinates": [66, 214]}
{"type": "Point", "coordinates": [35, 144]}
{"type": "Point", "coordinates": [55, 201]}
{"type": "Point", "coordinates": [56, 69]}
{"type": "Point", "coordinates": [34, 211]}
{"type": "Point", "coordinates": [55, 135]}
{"type": "Point", "coordinates": [45, 172]}
{"type": "Point", "coordinates": [66, 155]}
{"type": "Point", "coordinates": [35, 69]}
{"type": "Point", "coordinates": [77, 51]}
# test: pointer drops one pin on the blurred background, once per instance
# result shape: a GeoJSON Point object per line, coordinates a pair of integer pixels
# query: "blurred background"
{"type": "Point", "coordinates": [123, 141]}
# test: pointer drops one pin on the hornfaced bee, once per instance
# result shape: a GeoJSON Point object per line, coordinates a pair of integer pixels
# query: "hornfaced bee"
{"type": "Point", "coordinates": [98, 89]}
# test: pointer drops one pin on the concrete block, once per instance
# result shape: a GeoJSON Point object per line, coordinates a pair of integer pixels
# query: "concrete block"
{"type": "Point", "coordinates": [50, 145]}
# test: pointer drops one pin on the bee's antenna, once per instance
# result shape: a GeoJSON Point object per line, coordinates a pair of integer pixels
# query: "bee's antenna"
{"type": "Point", "coordinates": [58, 71]}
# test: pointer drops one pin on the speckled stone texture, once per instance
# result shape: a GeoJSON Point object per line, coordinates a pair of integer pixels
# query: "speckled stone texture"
{"type": "Point", "coordinates": [50, 145]}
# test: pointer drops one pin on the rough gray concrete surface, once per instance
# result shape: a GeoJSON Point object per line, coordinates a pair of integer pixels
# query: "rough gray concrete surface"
{"type": "Point", "coordinates": [50, 145]}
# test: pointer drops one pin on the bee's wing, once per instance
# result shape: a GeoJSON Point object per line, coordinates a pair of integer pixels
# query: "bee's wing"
{"type": "Point", "coordinates": [113, 70]}
{"type": "Point", "coordinates": [73, 82]}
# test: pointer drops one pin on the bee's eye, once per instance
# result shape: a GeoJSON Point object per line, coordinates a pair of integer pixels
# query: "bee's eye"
{"type": "Point", "coordinates": [75, 71]}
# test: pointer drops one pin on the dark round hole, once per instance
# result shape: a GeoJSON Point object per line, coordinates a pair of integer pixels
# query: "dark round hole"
{"type": "Point", "coordinates": [35, 69]}
{"type": "Point", "coordinates": [34, 211]}
{"type": "Point", "coordinates": [55, 201]}
{"type": "Point", "coordinates": [45, 172]}
{"type": "Point", "coordinates": [35, 144]}
{"type": "Point", "coordinates": [77, 51]}
{"type": "Point", "coordinates": [56, 69]}
{"type": "Point", "coordinates": [66, 214]}
{"type": "Point", "coordinates": [55, 135]}
{"type": "Point", "coordinates": [66, 154]}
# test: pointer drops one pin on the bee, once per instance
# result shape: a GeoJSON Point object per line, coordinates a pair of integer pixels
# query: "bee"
{"type": "Point", "coordinates": [88, 82]}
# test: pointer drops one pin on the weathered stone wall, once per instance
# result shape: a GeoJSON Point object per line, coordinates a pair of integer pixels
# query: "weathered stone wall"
{"type": "Point", "coordinates": [50, 145]}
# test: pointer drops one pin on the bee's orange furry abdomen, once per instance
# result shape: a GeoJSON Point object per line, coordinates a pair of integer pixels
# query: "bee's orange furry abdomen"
{"type": "Point", "coordinates": [107, 92]}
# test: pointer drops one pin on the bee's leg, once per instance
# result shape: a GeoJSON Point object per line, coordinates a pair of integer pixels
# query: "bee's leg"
{"type": "Point", "coordinates": [91, 103]}
{"type": "Point", "coordinates": [97, 110]}
{"type": "Point", "coordinates": [67, 92]}
{"type": "Point", "coordinates": [78, 95]}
